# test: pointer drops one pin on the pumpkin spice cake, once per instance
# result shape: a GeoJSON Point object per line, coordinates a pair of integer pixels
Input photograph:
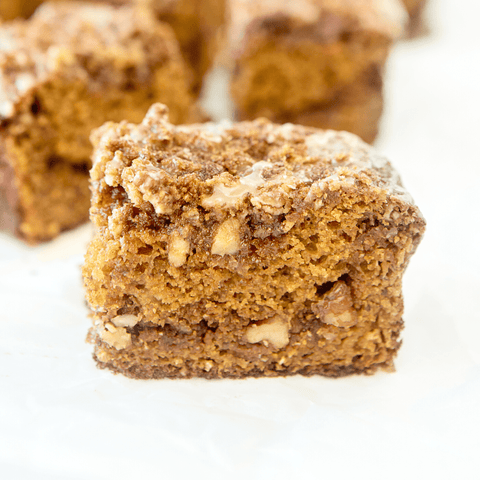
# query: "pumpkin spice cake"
{"type": "Point", "coordinates": [249, 249]}
{"type": "Point", "coordinates": [313, 61]}
{"type": "Point", "coordinates": [355, 108]}
{"type": "Point", "coordinates": [65, 71]}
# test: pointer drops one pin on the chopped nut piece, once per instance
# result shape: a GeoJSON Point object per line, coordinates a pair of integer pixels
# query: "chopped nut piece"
{"type": "Point", "coordinates": [227, 239]}
{"type": "Point", "coordinates": [178, 250]}
{"type": "Point", "coordinates": [274, 332]}
{"type": "Point", "coordinates": [345, 319]}
{"type": "Point", "coordinates": [208, 366]}
{"type": "Point", "coordinates": [116, 337]}
{"type": "Point", "coordinates": [336, 308]}
{"type": "Point", "coordinates": [125, 320]}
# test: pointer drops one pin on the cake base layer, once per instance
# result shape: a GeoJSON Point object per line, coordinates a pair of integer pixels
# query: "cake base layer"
{"type": "Point", "coordinates": [144, 372]}
{"type": "Point", "coordinates": [316, 349]}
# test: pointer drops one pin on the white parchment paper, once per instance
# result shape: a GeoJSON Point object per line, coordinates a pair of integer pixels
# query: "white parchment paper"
{"type": "Point", "coordinates": [62, 418]}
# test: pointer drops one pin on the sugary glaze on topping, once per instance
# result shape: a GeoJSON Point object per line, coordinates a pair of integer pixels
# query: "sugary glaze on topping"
{"type": "Point", "coordinates": [218, 165]}
{"type": "Point", "coordinates": [386, 17]}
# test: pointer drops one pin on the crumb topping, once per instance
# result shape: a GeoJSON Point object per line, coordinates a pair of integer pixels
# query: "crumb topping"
{"type": "Point", "coordinates": [225, 165]}
{"type": "Point", "coordinates": [387, 17]}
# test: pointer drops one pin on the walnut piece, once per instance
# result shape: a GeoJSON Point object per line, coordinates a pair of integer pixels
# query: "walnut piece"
{"type": "Point", "coordinates": [125, 320]}
{"type": "Point", "coordinates": [336, 307]}
{"type": "Point", "coordinates": [273, 332]}
{"type": "Point", "coordinates": [227, 239]}
{"type": "Point", "coordinates": [178, 250]}
{"type": "Point", "coordinates": [117, 337]}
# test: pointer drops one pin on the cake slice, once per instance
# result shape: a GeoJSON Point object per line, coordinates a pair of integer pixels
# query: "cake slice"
{"type": "Point", "coordinates": [313, 61]}
{"type": "Point", "coordinates": [249, 249]}
{"type": "Point", "coordinates": [65, 71]}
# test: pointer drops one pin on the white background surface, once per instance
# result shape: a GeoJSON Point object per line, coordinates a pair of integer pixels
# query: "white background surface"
{"type": "Point", "coordinates": [61, 418]}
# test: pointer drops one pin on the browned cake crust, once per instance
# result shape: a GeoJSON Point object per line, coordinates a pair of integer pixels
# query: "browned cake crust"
{"type": "Point", "coordinates": [67, 70]}
{"type": "Point", "coordinates": [235, 250]}
{"type": "Point", "coordinates": [296, 57]}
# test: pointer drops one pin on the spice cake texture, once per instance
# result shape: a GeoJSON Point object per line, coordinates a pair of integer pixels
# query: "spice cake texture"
{"type": "Point", "coordinates": [314, 62]}
{"type": "Point", "coordinates": [248, 249]}
{"type": "Point", "coordinates": [65, 71]}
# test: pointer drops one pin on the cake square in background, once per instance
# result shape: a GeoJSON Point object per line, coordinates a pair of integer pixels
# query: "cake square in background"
{"type": "Point", "coordinates": [314, 62]}
{"type": "Point", "coordinates": [65, 71]}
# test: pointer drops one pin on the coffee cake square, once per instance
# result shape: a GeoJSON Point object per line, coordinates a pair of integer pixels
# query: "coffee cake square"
{"type": "Point", "coordinates": [247, 249]}
{"type": "Point", "coordinates": [314, 62]}
{"type": "Point", "coordinates": [65, 71]}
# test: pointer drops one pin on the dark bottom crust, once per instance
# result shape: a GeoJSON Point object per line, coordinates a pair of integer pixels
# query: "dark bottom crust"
{"type": "Point", "coordinates": [145, 372]}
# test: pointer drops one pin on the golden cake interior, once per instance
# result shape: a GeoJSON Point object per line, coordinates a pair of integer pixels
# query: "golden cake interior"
{"type": "Point", "coordinates": [355, 108]}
